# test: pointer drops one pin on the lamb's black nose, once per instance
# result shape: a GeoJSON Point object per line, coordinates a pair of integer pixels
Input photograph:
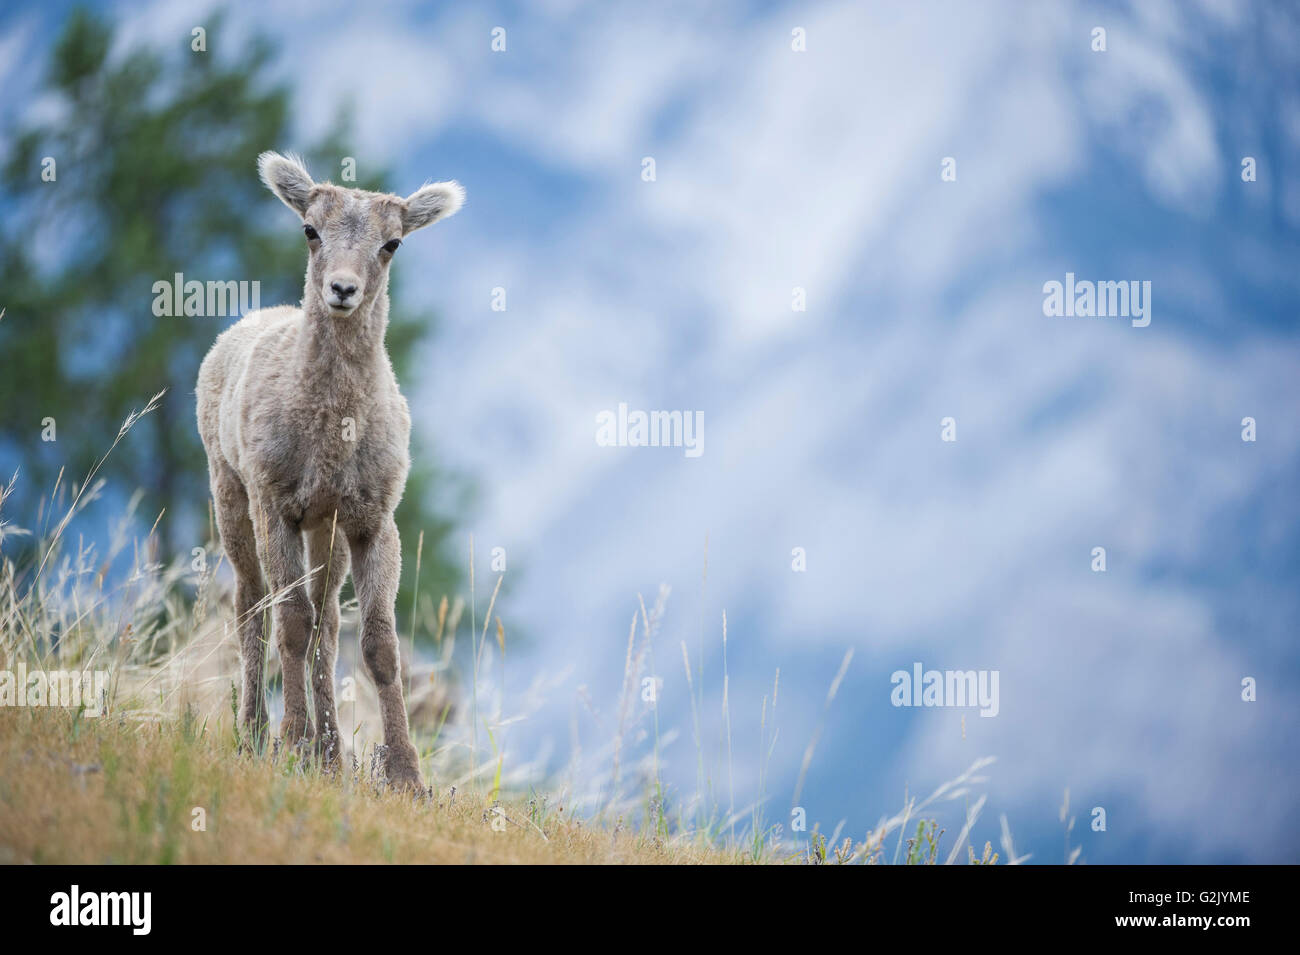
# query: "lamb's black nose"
{"type": "Point", "coordinates": [341, 290]}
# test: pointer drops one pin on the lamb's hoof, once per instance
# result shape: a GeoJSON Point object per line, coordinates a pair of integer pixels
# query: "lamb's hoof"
{"type": "Point", "coordinates": [296, 733]}
{"type": "Point", "coordinates": [404, 776]}
{"type": "Point", "coordinates": [328, 749]}
{"type": "Point", "coordinates": [253, 739]}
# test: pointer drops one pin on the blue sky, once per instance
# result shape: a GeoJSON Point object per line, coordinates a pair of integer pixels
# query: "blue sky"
{"type": "Point", "coordinates": [820, 169]}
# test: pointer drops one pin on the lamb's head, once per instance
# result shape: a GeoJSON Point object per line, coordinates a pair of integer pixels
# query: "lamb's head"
{"type": "Point", "coordinates": [352, 234]}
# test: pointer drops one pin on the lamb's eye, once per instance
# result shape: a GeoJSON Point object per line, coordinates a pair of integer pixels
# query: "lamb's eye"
{"type": "Point", "coordinates": [391, 246]}
{"type": "Point", "coordinates": [311, 233]}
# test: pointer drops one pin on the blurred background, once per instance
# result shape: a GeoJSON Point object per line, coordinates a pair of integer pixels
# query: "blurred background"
{"type": "Point", "coordinates": [794, 146]}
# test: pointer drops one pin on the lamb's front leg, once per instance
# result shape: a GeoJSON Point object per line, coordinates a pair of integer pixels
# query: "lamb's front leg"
{"type": "Point", "coordinates": [240, 543]}
{"type": "Point", "coordinates": [293, 621]}
{"type": "Point", "coordinates": [327, 553]}
{"type": "Point", "coordinates": [376, 570]}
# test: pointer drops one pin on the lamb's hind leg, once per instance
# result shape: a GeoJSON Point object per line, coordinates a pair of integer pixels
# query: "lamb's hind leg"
{"type": "Point", "coordinates": [327, 549]}
{"type": "Point", "coordinates": [376, 569]}
{"type": "Point", "coordinates": [282, 556]}
{"type": "Point", "coordinates": [237, 538]}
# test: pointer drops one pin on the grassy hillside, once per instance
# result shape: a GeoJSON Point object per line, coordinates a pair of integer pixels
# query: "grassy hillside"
{"type": "Point", "coordinates": [108, 790]}
{"type": "Point", "coordinates": [161, 778]}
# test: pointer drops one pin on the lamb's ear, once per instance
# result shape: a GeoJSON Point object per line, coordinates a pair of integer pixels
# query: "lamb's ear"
{"type": "Point", "coordinates": [287, 177]}
{"type": "Point", "coordinates": [431, 202]}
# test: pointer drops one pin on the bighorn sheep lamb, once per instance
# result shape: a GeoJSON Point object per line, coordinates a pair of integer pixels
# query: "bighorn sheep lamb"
{"type": "Point", "coordinates": [302, 420]}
